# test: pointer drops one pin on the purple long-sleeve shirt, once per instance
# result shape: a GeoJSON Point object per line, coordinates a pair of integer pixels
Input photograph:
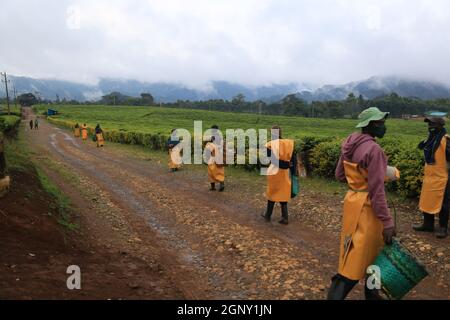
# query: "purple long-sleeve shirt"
{"type": "Point", "coordinates": [362, 149]}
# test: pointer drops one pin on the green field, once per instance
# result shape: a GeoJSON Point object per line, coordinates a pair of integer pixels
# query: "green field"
{"type": "Point", "coordinates": [155, 120]}
{"type": "Point", "coordinates": [318, 140]}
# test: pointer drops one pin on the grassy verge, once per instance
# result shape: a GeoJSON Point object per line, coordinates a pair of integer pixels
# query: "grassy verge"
{"type": "Point", "coordinates": [61, 201]}
{"type": "Point", "coordinates": [19, 158]}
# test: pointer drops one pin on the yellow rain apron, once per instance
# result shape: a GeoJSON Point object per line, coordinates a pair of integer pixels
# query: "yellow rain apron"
{"type": "Point", "coordinates": [278, 180]}
{"type": "Point", "coordinates": [76, 132]}
{"type": "Point", "coordinates": [174, 158]}
{"type": "Point", "coordinates": [100, 140]}
{"type": "Point", "coordinates": [84, 132]}
{"type": "Point", "coordinates": [362, 231]}
{"type": "Point", "coordinates": [435, 182]}
{"type": "Point", "coordinates": [216, 172]}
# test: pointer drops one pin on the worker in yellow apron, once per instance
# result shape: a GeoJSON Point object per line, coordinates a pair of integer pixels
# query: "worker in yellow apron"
{"type": "Point", "coordinates": [99, 136]}
{"type": "Point", "coordinates": [76, 131]}
{"type": "Point", "coordinates": [283, 166]}
{"type": "Point", "coordinates": [84, 132]}
{"type": "Point", "coordinates": [434, 198]}
{"type": "Point", "coordinates": [4, 179]}
{"type": "Point", "coordinates": [367, 224]}
{"type": "Point", "coordinates": [175, 160]}
{"type": "Point", "coordinates": [216, 160]}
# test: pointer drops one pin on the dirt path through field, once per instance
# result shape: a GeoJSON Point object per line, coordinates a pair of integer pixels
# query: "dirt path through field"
{"type": "Point", "coordinates": [217, 245]}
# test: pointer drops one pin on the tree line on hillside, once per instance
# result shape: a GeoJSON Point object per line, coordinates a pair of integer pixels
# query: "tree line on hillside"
{"type": "Point", "coordinates": [291, 105]}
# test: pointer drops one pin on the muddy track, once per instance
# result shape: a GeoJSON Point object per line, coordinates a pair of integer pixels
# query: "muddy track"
{"type": "Point", "coordinates": [219, 246]}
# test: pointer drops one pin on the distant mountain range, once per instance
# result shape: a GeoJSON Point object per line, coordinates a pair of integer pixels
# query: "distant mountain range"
{"type": "Point", "coordinates": [170, 92]}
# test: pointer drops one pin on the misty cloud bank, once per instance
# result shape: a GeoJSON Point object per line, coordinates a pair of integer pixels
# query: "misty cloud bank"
{"type": "Point", "coordinates": [252, 42]}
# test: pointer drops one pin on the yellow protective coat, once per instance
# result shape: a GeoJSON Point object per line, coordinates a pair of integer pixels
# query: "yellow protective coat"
{"type": "Point", "coordinates": [84, 132]}
{"type": "Point", "coordinates": [361, 236]}
{"type": "Point", "coordinates": [216, 172]}
{"type": "Point", "coordinates": [76, 132]}
{"type": "Point", "coordinates": [100, 140]}
{"type": "Point", "coordinates": [434, 182]}
{"type": "Point", "coordinates": [279, 180]}
{"type": "Point", "coordinates": [174, 158]}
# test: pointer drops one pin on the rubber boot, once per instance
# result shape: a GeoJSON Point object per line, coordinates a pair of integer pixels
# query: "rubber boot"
{"type": "Point", "coordinates": [212, 187]}
{"type": "Point", "coordinates": [372, 294]}
{"type": "Point", "coordinates": [427, 225]}
{"type": "Point", "coordinates": [441, 232]}
{"type": "Point", "coordinates": [284, 213]}
{"type": "Point", "coordinates": [340, 287]}
{"type": "Point", "coordinates": [222, 186]}
{"type": "Point", "coordinates": [269, 210]}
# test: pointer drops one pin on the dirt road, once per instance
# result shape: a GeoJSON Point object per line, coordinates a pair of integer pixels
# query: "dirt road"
{"type": "Point", "coordinates": [211, 245]}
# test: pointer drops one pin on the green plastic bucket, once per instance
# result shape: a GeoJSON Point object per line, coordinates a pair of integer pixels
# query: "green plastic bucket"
{"type": "Point", "coordinates": [400, 270]}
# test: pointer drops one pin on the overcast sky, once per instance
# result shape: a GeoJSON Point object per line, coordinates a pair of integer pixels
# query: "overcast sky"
{"type": "Point", "coordinates": [244, 41]}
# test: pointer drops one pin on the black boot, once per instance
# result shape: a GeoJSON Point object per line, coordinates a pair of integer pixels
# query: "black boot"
{"type": "Point", "coordinates": [428, 223]}
{"type": "Point", "coordinates": [222, 186]}
{"type": "Point", "coordinates": [284, 213]}
{"type": "Point", "coordinates": [441, 232]}
{"type": "Point", "coordinates": [340, 287]}
{"type": "Point", "coordinates": [372, 294]}
{"type": "Point", "coordinates": [269, 210]}
{"type": "Point", "coordinates": [212, 187]}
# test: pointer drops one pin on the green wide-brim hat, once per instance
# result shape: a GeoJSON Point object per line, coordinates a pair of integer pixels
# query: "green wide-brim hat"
{"type": "Point", "coordinates": [370, 114]}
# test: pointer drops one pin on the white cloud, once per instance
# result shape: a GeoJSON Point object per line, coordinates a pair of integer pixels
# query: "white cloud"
{"type": "Point", "coordinates": [250, 41]}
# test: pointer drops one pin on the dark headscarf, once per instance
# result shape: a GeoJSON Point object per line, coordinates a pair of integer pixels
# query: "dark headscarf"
{"type": "Point", "coordinates": [431, 145]}
{"type": "Point", "coordinates": [98, 129]}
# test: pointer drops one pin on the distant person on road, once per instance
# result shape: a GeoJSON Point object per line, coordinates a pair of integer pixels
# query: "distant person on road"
{"type": "Point", "coordinates": [435, 195]}
{"type": "Point", "coordinates": [84, 132]}
{"type": "Point", "coordinates": [279, 174]}
{"type": "Point", "coordinates": [174, 152]}
{"type": "Point", "coordinates": [36, 124]}
{"type": "Point", "coordinates": [31, 124]}
{"type": "Point", "coordinates": [99, 136]}
{"type": "Point", "coordinates": [76, 131]}
{"type": "Point", "coordinates": [367, 224]}
{"type": "Point", "coordinates": [215, 160]}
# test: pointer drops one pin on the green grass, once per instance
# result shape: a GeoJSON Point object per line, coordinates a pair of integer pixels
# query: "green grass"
{"type": "Point", "coordinates": [62, 202]}
{"type": "Point", "coordinates": [150, 126]}
{"type": "Point", "coordinates": [17, 155]}
{"type": "Point", "coordinates": [8, 122]}
{"type": "Point", "coordinates": [19, 158]}
{"type": "Point", "coordinates": [157, 120]}
{"type": "Point", "coordinates": [12, 107]}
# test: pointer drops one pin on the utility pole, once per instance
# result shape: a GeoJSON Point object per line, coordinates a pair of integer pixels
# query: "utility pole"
{"type": "Point", "coordinates": [15, 95]}
{"type": "Point", "coordinates": [7, 93]}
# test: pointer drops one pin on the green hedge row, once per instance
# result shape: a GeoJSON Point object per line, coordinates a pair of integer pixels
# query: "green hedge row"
{"type": "Point", "coordinates": [401, 154]}
{"type": "Point", "coordinates": [9, 123]}
{"type": "Point", "coordinates": [319, 155]}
